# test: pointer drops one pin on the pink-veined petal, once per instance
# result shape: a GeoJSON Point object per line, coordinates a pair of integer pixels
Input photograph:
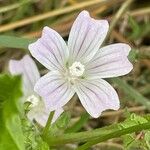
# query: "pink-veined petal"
{"type": "Point", "coordinates": [55, 90]}
{"type": "Point", "coordinates": [86, 36]}
{"type": "Point", "coordinates": [97, 95]}
{"type": "Point", "coordinates": [110, 61]}
{"type": "Point", "coordinates": [29, 71]}
{"type": "Point", "coordinates": [41, 114]}
{"type": "Point", "coordinates": [50, 50]}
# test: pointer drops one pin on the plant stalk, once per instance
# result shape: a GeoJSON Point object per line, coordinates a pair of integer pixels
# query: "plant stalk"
{"type": "Point", "coordinates": [97, 135]}
{"type": "Point", "coordinates": [48, 123]}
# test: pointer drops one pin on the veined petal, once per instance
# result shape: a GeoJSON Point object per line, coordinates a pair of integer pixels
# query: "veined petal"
{"type": "Point", "coordinates": [97, 95]}
{"type": "Point", "coordinates": [86, 36]}
{"type": "Point", "coordinates": [41, 114]}
{"type": "Point", "coordinates": [50, 50]}
{"type": "Point", "coordinates": [55, 90]}
{"type": "Point", "coordinates": [29, 71]}
{"type": "Point", "coordinates": [110, 61]}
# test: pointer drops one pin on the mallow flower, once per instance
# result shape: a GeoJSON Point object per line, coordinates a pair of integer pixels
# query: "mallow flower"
{"type": "Point", "coordinates": [30, 74]}
{"type": "Point", "coordinates": [80, 66]}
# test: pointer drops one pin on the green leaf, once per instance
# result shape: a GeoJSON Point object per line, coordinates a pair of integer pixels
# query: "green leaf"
{"type": "Point", "coordinates": [11, 136]}
{"type": "Point", "coordinates": [60, 125]}
{"type": "Point", "coordinates": [138, 30]}
{"type": "Point", "coordinates": [14, 42]}
{"type": "Point", "coordinates": [63, 121]}
{"type": "Point", "coordinates": [128, 141]}
{"type": "Point", "coordinates": [147, 139]}
{"type": "Point", "coordinates": [79, 124]}
{"type": "Point", "coordinates": [135, 28]}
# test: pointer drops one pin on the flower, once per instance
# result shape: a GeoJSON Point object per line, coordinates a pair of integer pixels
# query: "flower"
{"type": "Point", "coordinates": [80, 65]}
{"type": "Point", "coordinates": [30, 74]}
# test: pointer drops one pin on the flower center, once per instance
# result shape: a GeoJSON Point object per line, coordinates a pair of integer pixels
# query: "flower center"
{"type": "Point", "coordinates": [77, 69]}
{"type": "Point", "coordinates": [33, 100]}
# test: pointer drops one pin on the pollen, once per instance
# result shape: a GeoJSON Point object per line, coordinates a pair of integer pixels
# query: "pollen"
{"type": "Point", "coordinates": [77, 69]}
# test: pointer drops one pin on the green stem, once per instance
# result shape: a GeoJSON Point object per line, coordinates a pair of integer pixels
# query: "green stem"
{"type": "Point", "coordinates": [97, 135]}
{"type": "Point", "coordinates": [114, 135]}
{"type": "Point", "coordinates": [48, 123]}
{"type": "Point", "coordinates": [79, 124]}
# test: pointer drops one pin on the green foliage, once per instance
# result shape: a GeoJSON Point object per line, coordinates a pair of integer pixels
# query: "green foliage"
{"type": "Point", "coordinates": [79, 124]}
{"type": "Point", "coordinates": [32, 138]}
{"type": "Point", "coordinates": [16, 42]}
{"type": "Point", "coordinates": [131, 125]}
{"type": "Point", "coordinates": [58, 127]}
{"type": "Point", "coordinates": [63, 120]}
{"type": "Point", "coordinates": [138, 30]}
{"type": "Point", "coordinates": [11, 136]}
{"type": "Point", "coordinates": [139, 140]}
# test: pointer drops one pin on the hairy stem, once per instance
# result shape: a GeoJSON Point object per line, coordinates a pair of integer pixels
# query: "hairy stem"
{"type": "Point", "coordinates": [114, 135]}
{"type": "Point", "coordinates": [97, 135]}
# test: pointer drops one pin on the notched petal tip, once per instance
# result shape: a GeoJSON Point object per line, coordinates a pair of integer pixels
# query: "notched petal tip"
{"type": "Point", "coordinates": [50, 50]}
{"type": "Point", "coordinates": [96, 115]}
{"type": "Point", "coordinates": [47, 30]}
{"type": "Point", "coordinates": [84, 13]}
{"type": "Point", "coordinates": [103, 23]}
{"type": "Point", "coordinates": [125, 47]}
{"type": "Point", "coordinates": [86, 36]}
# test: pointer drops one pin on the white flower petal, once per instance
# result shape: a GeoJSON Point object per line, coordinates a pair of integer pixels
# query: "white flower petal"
{"type": "Point", "coordinates": [86, 36]}
{"type": "Point", "coordinates": [29, 71]}
{"type": "Point", "coordinates": [97, 95]}
{"type": "Point", "coordinates": [110, 61]}
{"type": "Point", "coordinates": [50, 50]}
{"type": "Point", "coordinates": [41, 114]}
{"type": "Point", "coordinates": [55, 90]}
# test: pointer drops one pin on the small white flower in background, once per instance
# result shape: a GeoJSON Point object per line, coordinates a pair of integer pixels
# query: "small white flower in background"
{"type": "Point", "coordinates": [79, 66]}
{"type": "Point", "coordinates": [30, 74]}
